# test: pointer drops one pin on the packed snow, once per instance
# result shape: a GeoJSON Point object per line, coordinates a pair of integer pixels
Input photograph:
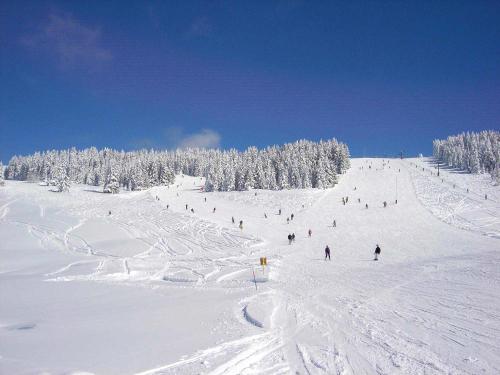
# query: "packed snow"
{"type": "Point", "coordinates": [137, 283]}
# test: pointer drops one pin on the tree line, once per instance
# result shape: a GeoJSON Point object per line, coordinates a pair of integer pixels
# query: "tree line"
{"type": "Point", "coordinates": [301, 164]}
{"type": "Point", "coordinates": [472, 152]}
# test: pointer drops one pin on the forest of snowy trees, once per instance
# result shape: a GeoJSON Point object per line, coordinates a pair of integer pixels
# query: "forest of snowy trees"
{"type": "Point", "coordinates": [300, 164]}
{"type": "Point", "coordinates": [472, 152]}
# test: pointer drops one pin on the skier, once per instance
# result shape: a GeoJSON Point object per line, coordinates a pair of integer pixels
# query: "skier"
{"type": "Point", "coordinates": [192, 210]}
{"type": "Point", "coordinates": [377, 252]}
{"type": "Point", "coordinates": [110, 213]}
{"type": "Point", "coordinates": [486, 196]}
{"type": "Point", "coordinates": [186, 206]}
{"type": "Point", "coordinates": [327, 252]}
{"type": "Point", "coordinates": [310, 233]}
{"type": "Point", "coordinates": [359, 200]}
{"type": "Point", "coordinates": [346, 199]}
{"type": "Point", "coordinates": [343, 201]}
{"type": "Point", "coordinates": [279, 211]}
{"type": "Point", "coordinates": [289, 239]}
{"type": "Point", "coordinates": [334, 224]}
{"type": "Point", "coordinates": [232, 219]}
{"type": "Point", "coordinates": [288, 220]}
{"type": "Point", "coordinates": [291, 216]}
{"type": "Point", "coordinates": [168, 206]}
{"type": "Point", "coordinates": [241, 224]}
{"type": "Point", "coordinates": [293, 237]}
{"type": "Point", "coordinates": [366, 205]}
{"type": "Point", "coordinates": [385, 204]}
{"type": "Point", "coordinates": [205, 199]}
{"type": "Point", "coordinates": [265, 215]}
{"type": "Point", "coordinates": [214, 210]}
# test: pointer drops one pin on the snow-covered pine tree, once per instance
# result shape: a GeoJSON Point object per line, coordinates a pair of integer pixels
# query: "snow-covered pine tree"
{"type": "Point", "coordinates": [281, 174]}
{"type": "Point", "coordinates": [259, 175]}
{"type": "Point", "coordinates": [320, 179]}
{"type": "Point", "coordinates": [166, 176]}
{"type": "Point", "coordinates": [112, 186]}
{"type": "Point", "coordinates": [62, 179]}
{"type": "Point", "coordinates": [474, 166]}
{"type": "Point", "coordinates": [495, 175]}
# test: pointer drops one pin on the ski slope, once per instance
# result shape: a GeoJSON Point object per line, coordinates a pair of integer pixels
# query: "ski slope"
{"type": "Point", "coordinates": [156, 289]}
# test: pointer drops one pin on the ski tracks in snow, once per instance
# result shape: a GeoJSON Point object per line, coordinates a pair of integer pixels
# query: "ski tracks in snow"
{"type": "Point", "coordinates": [307, 316]}
{"type": "Point", "coordinates": [454, 205]}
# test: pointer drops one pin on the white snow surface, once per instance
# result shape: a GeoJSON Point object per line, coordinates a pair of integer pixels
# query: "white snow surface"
{"type": "Point", "coordinates": [151, 290]}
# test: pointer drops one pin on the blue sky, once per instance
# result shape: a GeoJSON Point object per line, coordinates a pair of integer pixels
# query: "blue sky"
{"type": "Point", "coordinates": [382, 76]}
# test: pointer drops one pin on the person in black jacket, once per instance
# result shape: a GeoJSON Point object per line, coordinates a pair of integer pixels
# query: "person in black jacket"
{"type": "Point", "coordinates": [377, 252]}
{"type": "Point", "coordinates": [327, 253]}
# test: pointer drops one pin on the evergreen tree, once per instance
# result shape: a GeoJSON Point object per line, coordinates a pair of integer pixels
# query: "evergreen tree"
{"type": "Point", "coordinates": [112, 186]}
{"type": "Point", "coordinates": [62, 180]}
{"type": "Point", "coordinates": [320, 176]}
{"type": "Point", "coordinates": [167, 176]}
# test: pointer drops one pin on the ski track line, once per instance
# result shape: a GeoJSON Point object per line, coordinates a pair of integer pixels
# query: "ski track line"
{"type": "Point", "coordinates": [67, 267]}
{"type": "Point", "coordinates": [213, 351]}
{"type": "Point", "coordinates": [452, 213]}
{"type": "Point", "coordinates": [4, 209]}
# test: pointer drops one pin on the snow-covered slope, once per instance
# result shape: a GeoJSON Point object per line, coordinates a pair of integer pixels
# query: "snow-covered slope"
{"type": "Point", "coordinates": [154, 288]}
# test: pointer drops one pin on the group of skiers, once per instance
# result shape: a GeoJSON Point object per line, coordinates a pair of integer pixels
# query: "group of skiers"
{"type": "Point", "coordinates": [291, 236]}
{"type": "Point", "coordinates": [233, 221]}
{"type": "Point", "coordinates": [346, 199]}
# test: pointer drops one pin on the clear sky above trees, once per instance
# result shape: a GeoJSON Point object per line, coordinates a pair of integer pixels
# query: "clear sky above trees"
{"type": "Point", "coordinates": [380, 76]}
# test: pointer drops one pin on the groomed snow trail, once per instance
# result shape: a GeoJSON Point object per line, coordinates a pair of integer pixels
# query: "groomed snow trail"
{"type": "Point", "coordinates": [177, 293]}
